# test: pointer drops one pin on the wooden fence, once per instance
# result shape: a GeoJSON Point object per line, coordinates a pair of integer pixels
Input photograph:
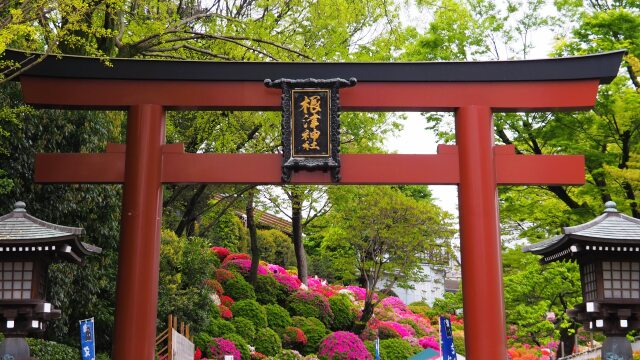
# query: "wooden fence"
{"type": "Point", "coordinates": [163, 340]}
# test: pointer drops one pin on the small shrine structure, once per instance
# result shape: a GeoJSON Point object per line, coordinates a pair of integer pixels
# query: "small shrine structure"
{"type": "Point", "coordinates": [607, 250]}
{"type": "Point", "coordinates": [28, 246]}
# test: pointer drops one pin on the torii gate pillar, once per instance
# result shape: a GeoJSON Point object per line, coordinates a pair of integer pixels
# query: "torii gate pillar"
{"type": "Point", "coordinates": [139, 259]}
{"type": "Point", "coordinates": [479, 227]}
{"type": "Point", "coordinates": [472, 90]}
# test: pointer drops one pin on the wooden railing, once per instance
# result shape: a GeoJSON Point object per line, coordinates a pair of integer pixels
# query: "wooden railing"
{"type": "Point", "coordinates": [163, 340]}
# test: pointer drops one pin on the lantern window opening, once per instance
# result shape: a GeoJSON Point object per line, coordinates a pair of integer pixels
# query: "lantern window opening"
{"type": "Point", "coordinates": [589, 281]}
{"type": "Point", "coordinates": [621, 279]}
{"type": "Point", "coordinates": [16, 280]}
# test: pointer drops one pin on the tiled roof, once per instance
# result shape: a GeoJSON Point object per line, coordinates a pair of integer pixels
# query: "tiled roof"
{"type": "Point", "coordinates": [611, 227]}
{"type": "Point", "coordinates": [19, 225]}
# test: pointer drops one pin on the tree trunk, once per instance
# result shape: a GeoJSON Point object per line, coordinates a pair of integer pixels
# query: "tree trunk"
{"type": "Point", "coordinates": [367, 312]}
{"type": "Point", "coordinates": [189, 212]}
{"type": "Point", "coordinates": [298, 245]}
{"type": "Point", "coordinates": [253, 236]}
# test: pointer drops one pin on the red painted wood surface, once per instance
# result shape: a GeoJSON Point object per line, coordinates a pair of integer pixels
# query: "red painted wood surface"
{"type": "Point", "coordinates": [139, 254]}
{"type": "Point", "coordinates": [439, 169]}
{"type": "Point", "coordinates": [480, 251]}
{"type": "Point", "coordinates": [118, 94]}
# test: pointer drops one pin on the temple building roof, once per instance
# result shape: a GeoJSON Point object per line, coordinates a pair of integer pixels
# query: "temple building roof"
{"type": "Point", "coordinates": [602, 233]}
{"type": "Point", "coordinates": [21, 232]}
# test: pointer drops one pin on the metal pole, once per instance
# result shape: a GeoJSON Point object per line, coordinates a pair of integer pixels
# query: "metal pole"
{"type": "Point", "coordinates": [139, 258]}
{"type": "Point", "coordinates": [485, 336]}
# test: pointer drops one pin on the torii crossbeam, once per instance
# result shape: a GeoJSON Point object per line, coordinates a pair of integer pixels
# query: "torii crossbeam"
{"type": "Point", "coordinates": [474, 91]}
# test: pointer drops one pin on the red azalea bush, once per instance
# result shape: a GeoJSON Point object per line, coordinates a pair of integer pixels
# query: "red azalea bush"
{"type": "Point", "coordinates": [224, 275]}
{"type": "Point", "coordinates": [221, 252]}
{"type": "Point", "coordinates": [219, 347]}
{"type": "Point", "coordinates": [232, 257]}
{"type": "Point", "coordinates": [226, 301]}
{"type": "Point", "coordinates": [293, 338]}
{"type": "Point", "coordinates": [343, 345]}
{"type": "Point", "coordinates": [225, 312]}
{"type": "Point", "coordinates": [215, 286]}
{"type": "Point", "coordinates": [198, 354]}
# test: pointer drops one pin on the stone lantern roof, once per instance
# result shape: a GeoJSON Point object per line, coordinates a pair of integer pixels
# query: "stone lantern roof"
{"type": "Point", "coordinates": [612, 231]}
{"type": "Point", "coordinates": [23, 233]}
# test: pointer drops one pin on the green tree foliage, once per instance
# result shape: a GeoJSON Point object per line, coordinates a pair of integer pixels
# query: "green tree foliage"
{"type": "Point", "coordinates": [95, 208]}
{"type": "Point", "coordinates": [244, 327]}
{"type": "Point", "coordinates": [185, 265]}
{"type": "Point", "coordinates": [533, 290]}
{"type": "Point", "coordinates": [276, 248]}
{"type": "Point", "coordinates": [388, 234]}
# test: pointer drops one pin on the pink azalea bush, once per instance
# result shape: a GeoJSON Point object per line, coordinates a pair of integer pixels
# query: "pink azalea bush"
{"type": "Point", "coordinates": [429, 342]}
{"type": "Point", "coordinates": [243, 266]}
{"type": "Point", "coordinates": [343, 345]}
{"type": "Point", "coordinates": [219, 347]}
{"type": "Point", "coordinates": [291, 283]}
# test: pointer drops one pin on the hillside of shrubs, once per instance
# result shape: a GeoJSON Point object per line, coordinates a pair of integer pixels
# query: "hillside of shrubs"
{"type": "Point", "coordinates": [280, 318]}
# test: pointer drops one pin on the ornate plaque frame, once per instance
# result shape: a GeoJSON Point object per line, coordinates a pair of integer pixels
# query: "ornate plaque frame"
{"type": "Point", "coordinates": [325, 153]}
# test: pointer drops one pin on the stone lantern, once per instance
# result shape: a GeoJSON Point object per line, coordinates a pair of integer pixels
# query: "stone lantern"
{"type": "Point", "coordinates": [607, 250]}
{"type": "Point", "coordinates": [27, 247]}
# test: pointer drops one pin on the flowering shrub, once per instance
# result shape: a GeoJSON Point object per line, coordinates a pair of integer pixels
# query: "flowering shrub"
{"type": "Point", "coordinates": [243, 266]}
{"type": "Point", "coordinates": [214, 285]}
{"type": "Point", "coordinates": [232, 257]}
{"type": "Point", "coordinates": [402, 329]}
{"type": "Point", "coordinates": [428, 342]}
{"type": "Point", "coordinates": [277, 269]}
{"type": "Point", "coordinates": [277, 317]}
{"type": "Point", "coordinates": [225, 312]}
{"type": "Point", "coordinates": [219, 327]}
{"type": "Point", "coordinates": [258, 356]}
{"type": "Point", "coordinates": [343, 345]}
{"type": "Point", "coordinates": [219, 347]}
{"type": "Point", "coordinates": [241, 345]}
{"type": "Point", "coordinates": [226, 301]}
{"type": "Point", "coordinates": [293, 338]}
{"type": "Point", "coordinates": [359, 292]}
{"type": "Point", "coordinates": [221, 252]}
{"type": "Point", "coordinates": [395, 303]}
{"type": "Point", "coordinates": [310, 304]}
{"type": "Point", "coordinates": [250, 309]}
{"type": "Point", "coordinates": [290, 282]}
{"type": "Point", "coordinates": [224, 275]}
{"type": "Point", "coordinates": [268, 342]}
{"type": "Point", "coordinates": [313, 329]}
{"type": "Point", "coordinates": [269, 291]}
{"type": "Point", "coordinates": [198, 354]}
{"type": "Point", "coordinates": [418, 331]}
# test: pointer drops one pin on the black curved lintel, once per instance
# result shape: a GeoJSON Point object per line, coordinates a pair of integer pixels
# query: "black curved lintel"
{"type": "Point", "coordinates": [603, 67]}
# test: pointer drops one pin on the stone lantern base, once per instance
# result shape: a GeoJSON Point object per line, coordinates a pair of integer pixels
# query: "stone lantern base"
{"type": "Point", "coordinates": [616, 348]}
{"type": "Point", "coordinates": [14, 348]}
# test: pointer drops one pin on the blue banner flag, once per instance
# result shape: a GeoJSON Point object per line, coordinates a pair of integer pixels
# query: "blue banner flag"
{"type": "Point", "coordinates": [87, 340]}
{"type": "Point", "coordinates": [446, 340]}
{"type": "Point", "coordinates": [377, 348]}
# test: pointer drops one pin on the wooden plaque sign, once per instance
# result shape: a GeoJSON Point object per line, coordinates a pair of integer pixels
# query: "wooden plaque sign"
{"type": "Point", "coordinates": [310, 124]}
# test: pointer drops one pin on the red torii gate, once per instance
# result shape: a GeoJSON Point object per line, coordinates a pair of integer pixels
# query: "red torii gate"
{"type": "Point", "coordinates": [146, 88]}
